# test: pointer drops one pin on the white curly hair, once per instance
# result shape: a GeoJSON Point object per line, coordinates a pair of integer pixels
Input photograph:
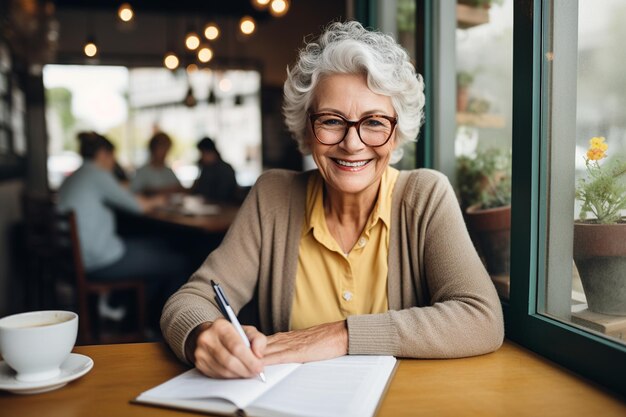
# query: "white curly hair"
{"type": "Point", "coordinates": [348, 48]}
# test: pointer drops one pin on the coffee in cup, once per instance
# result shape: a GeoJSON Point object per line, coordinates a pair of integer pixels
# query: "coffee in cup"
{"type": "Point", "coordinates": [35, 344]}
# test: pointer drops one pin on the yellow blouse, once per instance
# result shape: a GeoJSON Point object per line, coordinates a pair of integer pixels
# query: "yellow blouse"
{"type": "Point", "coordinates": [330, 285]}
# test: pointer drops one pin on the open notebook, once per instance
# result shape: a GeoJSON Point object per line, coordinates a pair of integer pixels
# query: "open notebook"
{"type": "Point", "coordinates": [345, 386]}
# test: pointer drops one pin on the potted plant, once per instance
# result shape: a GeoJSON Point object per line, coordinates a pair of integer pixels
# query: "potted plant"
{"type": "Point", "coordinates": [600, 240]}
{"type": "Point", "coordinates": [480, 3]}
{"type": "Point", "coordinates": [484, 184]}
{"type": "Point", "coordinates": [464, 80]}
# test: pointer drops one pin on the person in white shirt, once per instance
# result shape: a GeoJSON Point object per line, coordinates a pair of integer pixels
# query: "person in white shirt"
{"type": "Point", "coordinates": [155, 176]}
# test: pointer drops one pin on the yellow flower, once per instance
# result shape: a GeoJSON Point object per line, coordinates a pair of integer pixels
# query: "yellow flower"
{"type": "Point", "coordinates": [597, 142]}
{"type": "Point", "coordinates": [595, 154]}
{"type": "Point", "coordinates": [597, 148]}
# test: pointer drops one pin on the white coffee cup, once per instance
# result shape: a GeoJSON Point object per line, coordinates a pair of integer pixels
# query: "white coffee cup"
{"type": "Point", "coordinates": [35, 344]}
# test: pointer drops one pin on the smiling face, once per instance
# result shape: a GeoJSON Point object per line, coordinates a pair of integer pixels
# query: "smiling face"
{"type": "Point", "coordinates": [350, 167]}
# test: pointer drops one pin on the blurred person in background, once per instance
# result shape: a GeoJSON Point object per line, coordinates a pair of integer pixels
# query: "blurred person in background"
{"type": "Point", "coordinates": [93, 193]}
{"type": "Point", "coordinates": [155, 176]}
{"type": "Point", "coordinates": [216, 181]}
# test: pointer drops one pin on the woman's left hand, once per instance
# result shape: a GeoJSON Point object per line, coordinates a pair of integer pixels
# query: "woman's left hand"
{"type": "Point", "coordinates": [325, 341]}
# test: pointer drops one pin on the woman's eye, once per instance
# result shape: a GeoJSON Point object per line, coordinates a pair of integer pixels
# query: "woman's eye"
{"type": "Point", "coordinates": [332, 122]}
{"type": "Point", "coordinates": [372, 122]}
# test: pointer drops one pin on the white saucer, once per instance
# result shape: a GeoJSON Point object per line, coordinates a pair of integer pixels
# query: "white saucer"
{"type": "Point", "coordinates": [75, 366]}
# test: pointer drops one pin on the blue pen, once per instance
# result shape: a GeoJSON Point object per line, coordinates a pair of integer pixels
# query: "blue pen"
{"type": "Point", "coordinates": [229, 314]}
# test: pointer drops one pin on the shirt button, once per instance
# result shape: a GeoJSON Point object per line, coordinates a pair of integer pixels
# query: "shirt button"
{"type": "Point", "coordinates": [362, 242]}
{"type": "Point", "coordinates": [347, 295]}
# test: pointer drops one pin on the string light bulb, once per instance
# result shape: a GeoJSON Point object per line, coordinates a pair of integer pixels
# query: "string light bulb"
{"type": "Point", "coordinates": [211, 31]}
{"type": "Point", "coordinates": [192, 41]}
{"type": "Point", "coordinates": [171, 61]}
{"type": "Point", "coordinates": [125, 12]}
{"type": "Point", "coordinates": [260, 4]}
{"type": "Point", "coordinates": [247, 25]}
{"type": "Point", "coordinates": [90, 48]}
{"type": "Point", "coordinates": [279, 8]}
{"type": "Point", "coordinates": [205, 54]}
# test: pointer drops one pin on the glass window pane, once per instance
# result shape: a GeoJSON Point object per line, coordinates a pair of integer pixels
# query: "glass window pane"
{"type": "Point", "coordinates": [584, 129]}
{"type": "Point", "coordinates": [484, 44]}
{"type": "Point", "coordinates": [129, 105]}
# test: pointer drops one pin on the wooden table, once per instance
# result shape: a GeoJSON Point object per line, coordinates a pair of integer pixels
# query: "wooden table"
{"type": "Point", "coordinates": [509, 382]}
{"type": "Point", "coordinates": [210, 223]}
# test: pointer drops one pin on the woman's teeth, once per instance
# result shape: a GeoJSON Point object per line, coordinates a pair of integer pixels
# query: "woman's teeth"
{"type": "Point", "coordinates": [355, 164]}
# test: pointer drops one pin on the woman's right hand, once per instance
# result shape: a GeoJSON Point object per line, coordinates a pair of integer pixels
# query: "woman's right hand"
{"type": "Point", "coordinates": [219, 352]}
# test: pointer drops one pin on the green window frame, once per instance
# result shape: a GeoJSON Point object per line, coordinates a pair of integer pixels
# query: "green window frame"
{"type": "Point", "coordinates": [591, 356]}
{"type": "Point", "coordinates": [594, 357]}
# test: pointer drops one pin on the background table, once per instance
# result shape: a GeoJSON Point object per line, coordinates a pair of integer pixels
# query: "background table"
{"type": "Point", "coordinates": [509, 382]}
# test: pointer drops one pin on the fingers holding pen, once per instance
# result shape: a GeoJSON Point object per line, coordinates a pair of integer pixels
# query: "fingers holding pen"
{"type": "Point", "coordinates": [258, 341]}
{"type": "Point", "coordinates": [220, 352]}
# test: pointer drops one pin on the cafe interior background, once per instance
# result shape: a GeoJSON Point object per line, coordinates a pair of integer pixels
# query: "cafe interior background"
{"type": "Point", "coordinates": [513, 106]}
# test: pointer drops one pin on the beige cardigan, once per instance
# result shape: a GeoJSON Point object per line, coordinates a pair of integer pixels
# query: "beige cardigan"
{"type": "Point", "coordinates": [442, 303]}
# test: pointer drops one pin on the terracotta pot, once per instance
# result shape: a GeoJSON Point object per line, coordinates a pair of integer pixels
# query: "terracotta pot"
{"type": "Point", "coordinates": [600, 256]}
{"type": "Point", "coordinates": [462, 99]}
{"type": "Point", "coordinates": [490, 230]}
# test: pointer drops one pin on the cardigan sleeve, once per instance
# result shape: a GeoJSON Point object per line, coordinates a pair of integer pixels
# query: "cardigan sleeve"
{"type": "Point", "coordinates": [461, 315]}
{"type": "Point", "coordinates": [234, 264]}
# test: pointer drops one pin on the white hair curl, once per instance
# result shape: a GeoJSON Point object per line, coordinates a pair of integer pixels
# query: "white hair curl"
{"type": "Point", "coordinates": [348, 48]}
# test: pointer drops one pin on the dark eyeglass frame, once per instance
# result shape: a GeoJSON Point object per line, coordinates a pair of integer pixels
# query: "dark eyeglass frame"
{"type": "Point", "coordinates": [356, 123]}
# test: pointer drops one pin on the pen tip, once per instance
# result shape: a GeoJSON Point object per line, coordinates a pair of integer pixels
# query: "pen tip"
{"type": "Point", "coordinates": [262, 376]}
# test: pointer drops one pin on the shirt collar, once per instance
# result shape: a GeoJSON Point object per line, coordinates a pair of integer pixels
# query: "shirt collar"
{"type": "Point", "coordinates": [314, 215]}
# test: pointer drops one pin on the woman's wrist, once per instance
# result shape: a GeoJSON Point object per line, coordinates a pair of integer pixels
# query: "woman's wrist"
{"type": "Point", "coordinates": [192, 341]}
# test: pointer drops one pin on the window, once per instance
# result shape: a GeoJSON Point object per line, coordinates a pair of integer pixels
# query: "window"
{"type": "Point", "coordinates": [482, 147]}
{"type": "Point", "coordinates": [129, 105]}
{"type": "Point", "coordinates": [585, 109]}
{"type": "Point", "coordinates": [555, 109]}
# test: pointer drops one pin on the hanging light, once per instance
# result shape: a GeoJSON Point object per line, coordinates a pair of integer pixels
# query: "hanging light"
{"type": "Point", "coordinates": [211, 31]}
{"type": "Point", "coordinates": [190, 100]}
{"type": "Point", "coordinates": [192, 68]}
{"type": "Point", "coordinates": [90, 48]}
{"type": "Point", "coordinates": [205, 54]}
{"type": "Point", "coordinates": [225, 85]}
{"type": "Point", "coordinates": [247, 25]}
{"type": "Point", "coordinates": [212, 99]}
{"type": "Point", "coordinates": [192, 40]}
{"type": "Point", "coordinates": [260, 4]}
{"type": "Point", "coordinates": [125, 12]}
{"type": "Point", "coordinates": [171, 61]}
{"type": "Point", "coordinates": [279, 8]}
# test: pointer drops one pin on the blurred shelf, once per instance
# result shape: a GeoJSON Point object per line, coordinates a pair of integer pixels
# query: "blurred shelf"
{"type": "Point", "coordinates": [469, 16]}
{"type": "Point", "coordinates": [484, 120]}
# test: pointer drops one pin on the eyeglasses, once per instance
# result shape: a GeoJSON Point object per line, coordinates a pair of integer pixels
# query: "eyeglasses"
{"type": "Point", "coordinates": [374, 130]}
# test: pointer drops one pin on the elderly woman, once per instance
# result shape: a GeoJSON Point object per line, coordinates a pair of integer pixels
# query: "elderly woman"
{"type": "Point", "coordinates": [354, 257]}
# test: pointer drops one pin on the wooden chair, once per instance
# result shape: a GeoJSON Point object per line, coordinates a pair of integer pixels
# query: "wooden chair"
{"type": "Point", "coordinates": [86, 289]}
{"type": "Point", "coordinates": [52, 238]}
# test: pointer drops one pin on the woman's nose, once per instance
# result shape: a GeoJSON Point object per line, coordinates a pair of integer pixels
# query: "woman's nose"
{"type": "Point", "coordinates": [352, 142]}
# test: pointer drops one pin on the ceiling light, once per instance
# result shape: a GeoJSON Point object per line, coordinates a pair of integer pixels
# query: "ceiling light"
{"type": "Point", "coordinates": [190, 100]}
{"type": "Point", "coordinates": [260, 4]}
{"type": "Point", "coordinates": [205, 54]}
{"type": "Point", "coordinates": [192, 68]}
{"type": "Point", "coordinates": [90, 48]}
{"type": "Point", "coordinates": [279, 8]}
{"type": "Point", "coordinates": [225, 85]}
{"type": "Point", "coordinates": [192, 41]}
{"type": "Point", "coordinates": [211, 31]}
{"type": "Point", "coordinates": [125, 12]}
{"type": "Point", "coordinates": [247, 25]}
{"type": "Point", "coordinates": [171, 61]}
